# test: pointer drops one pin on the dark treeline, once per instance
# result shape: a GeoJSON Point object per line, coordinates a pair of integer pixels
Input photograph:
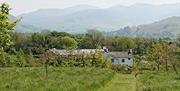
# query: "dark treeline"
{"type": "Point", "coordinates": [37, 43]}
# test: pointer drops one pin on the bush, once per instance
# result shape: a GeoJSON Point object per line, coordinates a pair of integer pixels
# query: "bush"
{"type": "Point", "coordinates": [20, 59]}
{"type": "Point", "coordinates": [7, 60]}
{"type": "Point", "coordinates": [122, 69]}
{"type": "Point", "coordinates": [17, 60]}
{"type": "Point", "coordinates": [80, 60]}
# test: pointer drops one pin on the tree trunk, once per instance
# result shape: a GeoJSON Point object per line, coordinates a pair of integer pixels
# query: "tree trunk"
{"type": "Point", "coordinates": [46, 68]}
{"type": "Point", "coordinates": [174, 68]}
{"type": "Point", "coordinates": [166, 64]}
{"type": "Point", "coordinates": [158, 66]}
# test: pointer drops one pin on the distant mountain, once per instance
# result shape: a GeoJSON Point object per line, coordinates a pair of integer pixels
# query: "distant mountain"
{"type": "Point", "coordinates": [22, 27]}
{"type": "Point", "coordinates": [168, 27]}
{"type": "Point", "coordinates": [80, 18]}
{"type": "Point", "coordinates": [50, 13]}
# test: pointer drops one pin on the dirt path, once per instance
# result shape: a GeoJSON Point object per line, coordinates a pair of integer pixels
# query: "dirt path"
{"type": "Point", "coordinates": [121, 82]}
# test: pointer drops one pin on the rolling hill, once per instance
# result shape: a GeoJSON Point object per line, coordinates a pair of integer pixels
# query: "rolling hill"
{"type": "Point", "coordinates": [168, 27]}
{"type": "Point", "coordinates": [22, 27]}
{"type": "Point", "coordinates": [78, 19]}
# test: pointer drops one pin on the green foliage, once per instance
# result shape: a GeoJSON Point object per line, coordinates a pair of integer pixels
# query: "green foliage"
{"type": "Point", "coordinates": [38, 38]}
{"type": "Point", "coordinates": [19, 59]}
{"type": "Point", "coordinates": [69, 43]}
{"type": "Point", "coordinates": [124, 69]}
{"type": "Point", "coordinates": [178, 40]}
{"type": "Point", "coordinates": [80, 60]}
{"type": "Point", "coordinates": [120, 43]}
{"type": "Point", "coordinates": [92, 39]}
{"type": "Point", "coordinates": [142, 44]}
{"type": "Point", "coordinates": [161, 53]}
{"type": "Point", "coordinates": [60, 34]}
{"type": "Point", "coordinates": [59, 79]}
{"type": "Point", "coordinates": [6, 60]}
{"type": "Point", "coordinates": [5, 26]}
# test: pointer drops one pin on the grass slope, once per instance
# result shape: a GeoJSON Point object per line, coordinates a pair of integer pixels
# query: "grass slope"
{"type": "Point", "coordinates": [159, 81]}
{"type": "Point", "coordinates": [59, 79]}
{"type": "Point", "coordinates": [121, 82]}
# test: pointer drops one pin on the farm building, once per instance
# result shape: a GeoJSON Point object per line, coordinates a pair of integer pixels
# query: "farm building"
{"type": "Point", "coordinates": [125, 58]}
{"type": "Point", "coordinates": [75, 52]}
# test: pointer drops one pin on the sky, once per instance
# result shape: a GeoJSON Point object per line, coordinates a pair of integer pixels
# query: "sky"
{"type": "Point", "coordinates": [25, 6]}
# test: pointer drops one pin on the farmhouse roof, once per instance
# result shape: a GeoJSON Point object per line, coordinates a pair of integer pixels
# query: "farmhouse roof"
{"type": "Point", "coordinates": [75, 52]}
{"type": "Point", "coordinates": [120, 54]}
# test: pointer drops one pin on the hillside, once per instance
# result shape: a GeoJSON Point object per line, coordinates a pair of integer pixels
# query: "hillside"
{"type": "Point", "coordinates": [22, 27]}
{"type": "Point", "coordinates": [80, 18]}
{"type": "Point", "coordinates": [165, 28]}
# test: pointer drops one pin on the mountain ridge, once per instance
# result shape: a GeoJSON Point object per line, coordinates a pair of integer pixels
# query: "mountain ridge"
{"type": "Point", "coordinates": [168, 27]}
{"type": "Point", "coordinates": [104, 19]}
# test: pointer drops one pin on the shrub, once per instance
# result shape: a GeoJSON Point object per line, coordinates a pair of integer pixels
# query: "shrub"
{"type": "Point", "coordinates": [7, 60]}
{"type": "Point", "coordinates": [122, 68]}
{"type": "Point", "coordinates": [80, 60]}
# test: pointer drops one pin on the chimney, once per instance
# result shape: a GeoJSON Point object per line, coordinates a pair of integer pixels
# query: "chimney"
{"type": "Point", "coordinates": [105, 49]}
{"type": "Point", "coordinates": [130, 52]}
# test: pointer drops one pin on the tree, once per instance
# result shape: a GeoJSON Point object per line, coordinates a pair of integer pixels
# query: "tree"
{"type": "Point", "coordinates": [38, 38]}
{"type": "Point", "coordinates": [69, 43]}
{"type": "Point", "coordinates": [6, 25]}
{"type": "Point", "coordinates": [168, 51]}
{"type": "Point", "coordinates": [174, 63]}
{"type": "Point", "coordinates": [120, 43]}
{"type": "Point", "coordinates": [96, 38]}
{"type": "Point", "coordinates": [21, 61]}
{"type": "Point", "coordinates": [155, 53]}
{"type": "Point", "coordinates": [178, 40]}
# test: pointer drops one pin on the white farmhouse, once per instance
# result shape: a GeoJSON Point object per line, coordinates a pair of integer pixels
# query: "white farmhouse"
{"type": "Point", "coordinates": [124, 58]}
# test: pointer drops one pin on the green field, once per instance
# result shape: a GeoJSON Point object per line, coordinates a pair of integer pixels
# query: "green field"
{"type": "Point", "coordinates": [85, 79]}
{"type": "Point", "coordinates": [59, 79]}
{"type": "Point", "coordinates": [158, 81]}
{"type": "Point", "coordinates": [121, 82]}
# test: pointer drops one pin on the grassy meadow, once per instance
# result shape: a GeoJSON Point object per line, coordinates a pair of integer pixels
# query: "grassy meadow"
{"type": "Point", "coordinates": [158, 81]}
{"type": "Point", "coordinates": [121, 82]}
{"type": "Point", "coordinates": [59, 79]}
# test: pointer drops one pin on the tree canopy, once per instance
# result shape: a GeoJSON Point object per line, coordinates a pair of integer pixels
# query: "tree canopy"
{"type": "Point", "coordinates": [6, 26]}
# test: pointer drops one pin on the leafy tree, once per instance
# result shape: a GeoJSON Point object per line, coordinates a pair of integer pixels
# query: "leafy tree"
{"type": "Point", "coordinates": [96, 38]}
{"type": "Point", "coordinates": [38, 38]}
{"type": "Point", "coordinates": [120, 43]}
{"type": "Point", "coordinates": [30, 60]}
{"type": "Point", "coordinates": [168, 51]}
{"type": "Point", "coordinates": [69, 43]}
{"type": "Point", "coordinates": [178, 40]}
{"type": "Point", "coordinates": [155, 54]}
{"type": "Point", "coordinates": [60, 34]}
{"type": "Point", "coordinates": [6, 25]}
{"type": "Point", "coordinates": [21, 61]}
{"type": "Point", "coordinates": [86, 43]}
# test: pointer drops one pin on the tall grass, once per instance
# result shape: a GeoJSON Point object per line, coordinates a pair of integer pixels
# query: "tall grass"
{"type": "Point", "coordinates": [158, 81]}
{"type": "Point", "coordinates": [59, 79]}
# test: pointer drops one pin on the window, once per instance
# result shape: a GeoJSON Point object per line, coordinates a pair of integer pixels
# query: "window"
{"type": "Point", "coordinates": [112, 60]}
{"type": "Point", "coordinates": [129, 58]}
{"type": "Point", "coordinates": [123, 60]}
